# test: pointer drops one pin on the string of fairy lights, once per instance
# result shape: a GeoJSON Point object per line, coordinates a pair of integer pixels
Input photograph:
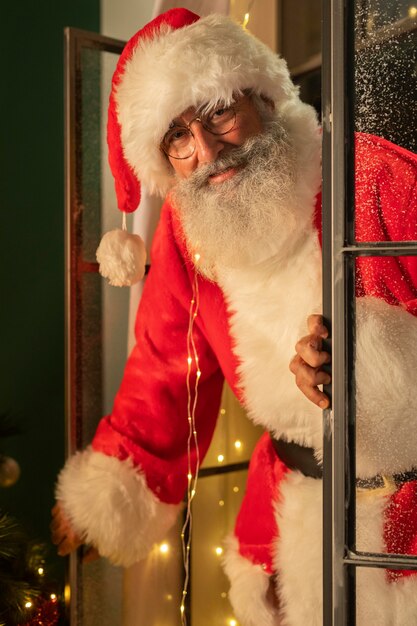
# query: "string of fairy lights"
{"type": "Point", "coordinates": [192, 399]}
{"type": "Point", "coordinates": [192, 384]}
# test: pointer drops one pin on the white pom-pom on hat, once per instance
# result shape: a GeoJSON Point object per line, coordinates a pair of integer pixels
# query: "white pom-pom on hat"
{"type": "Point", "coordinates": [122, 258]}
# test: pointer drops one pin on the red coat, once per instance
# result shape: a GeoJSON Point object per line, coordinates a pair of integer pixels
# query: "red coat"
{"type": "Point", "coordinates": [148, 424]}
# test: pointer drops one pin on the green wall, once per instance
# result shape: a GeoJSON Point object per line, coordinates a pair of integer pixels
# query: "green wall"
{"type": "Point", "coordinates": [32, 247]}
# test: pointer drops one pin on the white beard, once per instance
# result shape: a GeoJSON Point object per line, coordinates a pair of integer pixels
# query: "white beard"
{"type": "Point", "coordinates": [246, 219]}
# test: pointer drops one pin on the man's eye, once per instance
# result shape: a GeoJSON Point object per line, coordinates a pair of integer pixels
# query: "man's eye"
{"type": "Point", "coordinates": [219, 112]}
{"type": "Point", "coordinates": [176, 134]}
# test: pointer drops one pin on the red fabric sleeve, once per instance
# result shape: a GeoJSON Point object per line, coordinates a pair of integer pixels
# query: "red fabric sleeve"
{"type": "Point", "coordinates": [149, 421]}
{"type": "Point", "coordinates": [386, 210]}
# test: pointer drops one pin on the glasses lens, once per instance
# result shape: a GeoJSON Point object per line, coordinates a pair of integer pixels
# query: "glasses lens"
{"type": "Point", "coordinates": [220, 121]}
{"type": "Point", "coordinates": [178, 142]}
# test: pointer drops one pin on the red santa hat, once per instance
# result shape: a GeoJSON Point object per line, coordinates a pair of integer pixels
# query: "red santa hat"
{"type": "Point", "coordinates": [175, 62]}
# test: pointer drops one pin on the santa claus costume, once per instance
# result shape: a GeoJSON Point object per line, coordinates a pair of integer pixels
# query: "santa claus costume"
{"type": "Point", "coordinates": [124, 492]}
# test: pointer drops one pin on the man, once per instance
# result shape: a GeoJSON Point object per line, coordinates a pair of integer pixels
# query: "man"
{"type": "Point", "coordinates": [206, 113]}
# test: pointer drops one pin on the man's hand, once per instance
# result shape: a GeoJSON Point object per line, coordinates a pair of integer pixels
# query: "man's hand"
{"type": "Point", "coordinates": [307, 363]}
{"type": "Point", "coordinates": [64, 536]}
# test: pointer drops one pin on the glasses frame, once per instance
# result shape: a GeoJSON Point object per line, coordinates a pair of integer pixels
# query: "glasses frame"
{"type": "Point", "coordinates": [187, 127]}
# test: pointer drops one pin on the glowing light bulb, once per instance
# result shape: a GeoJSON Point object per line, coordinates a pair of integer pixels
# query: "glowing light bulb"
{"type": "Point", "coordinates": [193, 493]}
{"type": "Point", "coordinates": [189, 360]}
{"type": "Point", "coordinates": [189, 476]}
{"type": "Point", "coordinates": [236, 489]}
{"type": "Point", "coordinates": [53, 596]}
{"type": "Point", "coordinates": [197, 257]}
{"type": "Point", "coordinates": [219, 551]}
{"type": "Point", "coordinates": [220, 458]}
{"type": "Point", "coordinates": [198, 373]}
{"type": "Point", "coordinates": [164, 548]}
{"type": "Point", "coordinates": [28, 605]}
{"type": "Point", "coordinates": [232, 622]}
{"type": "Point", "coordinates": [412, 12]}
{"type": "Point", "coordinates": [221, 502]}
{"type": "Point", "coordinates": [222, 411]}
{"type": "Point", "coordinates": [40, 571]}
{"type": "Point", "coordinates": [223, 594]}
{"type": "Point", "coordinates": [238, 444]}
{"type": "Point", "coordinates": [246, 20]}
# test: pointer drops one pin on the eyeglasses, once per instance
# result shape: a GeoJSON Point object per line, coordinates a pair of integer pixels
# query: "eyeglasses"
{"type": "Point", "coordinates": [179, 141]}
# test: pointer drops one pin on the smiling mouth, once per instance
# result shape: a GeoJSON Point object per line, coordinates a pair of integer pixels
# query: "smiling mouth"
{"type": "Point", "coordinates": [225, 174]}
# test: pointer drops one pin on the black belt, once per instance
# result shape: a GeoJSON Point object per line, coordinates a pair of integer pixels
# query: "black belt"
{"type": "Point", "coordinates": [298, 457]}
{"type": "Point", "coordinates": [301, 458]}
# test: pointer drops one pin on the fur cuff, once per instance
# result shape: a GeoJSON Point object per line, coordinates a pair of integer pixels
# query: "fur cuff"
{"type": "Point", "coordinates": [110, 505]}
{"type": "Point", "coordinates": [249, 589]}
{"type": "Point", "coordinates": [386, 365]}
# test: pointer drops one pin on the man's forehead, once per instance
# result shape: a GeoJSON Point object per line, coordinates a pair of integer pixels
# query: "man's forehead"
{"type": "Point", "coordinates": [186, 114]}
{"type": "Point", "coordinates": [202, 107]}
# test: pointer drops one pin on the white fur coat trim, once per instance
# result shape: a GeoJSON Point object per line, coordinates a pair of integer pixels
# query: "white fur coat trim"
{"type": "Point", "coordinates": [111, 507]}
{"type": "Point", "coordinates": [269, 302]}
{"type": "Point", "coordinates": [386, 370]}
{"type": "Point", "coordinates": [298, 555]}
{"type": "Point", "coordinates": [249, 588]}
{"type": "Point", "coordinates": [206, 62]}
{"type": "Point", "coordinates": [298, 559]}
{"type": "Point", "coordinates": [269, 309]}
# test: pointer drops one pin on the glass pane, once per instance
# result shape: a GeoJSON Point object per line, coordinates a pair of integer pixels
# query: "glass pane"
{"type": "Point", "coordinates": [101, 594]}
{"type": "Point", "coordinates": [214, 512]}
{"type": "Point", "coordinates": [382, 598]}
{"type": "Point", "coordinates": [91, 128]}
{"type": "Point", "coordinates": [101, 312]}
{"type": "Point", "coordinates": [386, 404]}
{"type": "Point", "coordinates": [89, 368]}
{"type": "Point", "coordinates": [373, 15]}
{"type": "Point", "coordinates": [97, 203]}
{"type": "Point", "coordinates": [385, 72]}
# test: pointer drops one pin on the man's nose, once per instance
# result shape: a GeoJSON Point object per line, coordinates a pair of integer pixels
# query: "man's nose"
{"type": "Point", "coordinates": [207, 145]}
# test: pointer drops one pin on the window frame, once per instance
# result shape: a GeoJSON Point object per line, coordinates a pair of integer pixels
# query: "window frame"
{"type": "Point", "coordinates": [340, 557]}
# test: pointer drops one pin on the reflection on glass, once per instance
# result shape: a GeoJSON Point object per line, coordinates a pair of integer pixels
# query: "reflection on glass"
{"type": "Point", "coordinates": [99, 589]}
{"type": "Point", "coordinates": [373, 15]}
{"type": "Point", "coordinates": [101, 594]}
{"type": "Point", "coordinates": [385, 70]}
{"type": "Point", "coordinates": [89, 368]}
{"type": "Point", "coordinates": [385, 599]}
{"type": "Point", "coordinates": [89, 173]}
{"type": "Point", "coordinates": [386, 404]}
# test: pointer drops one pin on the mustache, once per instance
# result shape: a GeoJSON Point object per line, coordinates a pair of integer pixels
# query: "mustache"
{"type": "Point", "coordinates": [235, 157]}
{"type": "Point", "coordinates": [258, 146]}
